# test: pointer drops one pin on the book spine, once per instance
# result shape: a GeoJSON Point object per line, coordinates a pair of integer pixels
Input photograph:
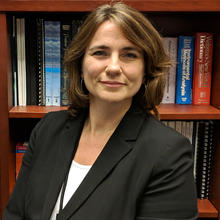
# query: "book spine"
{"type": "Point", "coordinates": [170, 44]}
{"type": "Point", "coordinates": [204, 157]}
{"type": "Point", "coordinates": [56, 63]}
{"type": "Point", "coordinates": [48, 25]}
{"type": "Point", "coordinates": [184, 70]}
{"type": "Point", "coordinates": [23, 63]}
{"type": "Point", "coordinates": [31, 61]}
{"type": "Point", "coordinates": [40, 62]}
{"type": "Point", "coordinates": [14, 61]}
{"type": "Point", "coordinates": [202, 68]}
{"type": "Point", "coordinates": [66, 36]}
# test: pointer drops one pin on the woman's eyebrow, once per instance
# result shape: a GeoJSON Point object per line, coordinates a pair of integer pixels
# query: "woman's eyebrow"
{"type": "Point", "coordinates": [132, 49]}
{"type": "Point", "coordinates": [103, 47]}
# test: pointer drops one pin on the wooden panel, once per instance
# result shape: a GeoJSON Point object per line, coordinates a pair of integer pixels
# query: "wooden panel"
{"type": "Point", "coordinates": [215, 100]}
{"type": "Point", "coordinates": [167, 112]}
{"type": "Point", "coordinates": [4, 127]}
{"type": "Point", "coordinates": [87, 5]}
{"type": "Point", "coordinates": [206, 209]}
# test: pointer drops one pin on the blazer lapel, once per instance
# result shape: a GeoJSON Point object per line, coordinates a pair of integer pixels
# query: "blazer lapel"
{"type": "Point", "coordinates": [66, 150]}
{"type": "Point", "coordinates": [118, 146]}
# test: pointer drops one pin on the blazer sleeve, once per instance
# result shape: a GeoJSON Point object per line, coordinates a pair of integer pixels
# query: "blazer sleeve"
{"type": "Point", "coordinates": [170, 193]}
{"type": "Point", "coordinates": [16, 204]}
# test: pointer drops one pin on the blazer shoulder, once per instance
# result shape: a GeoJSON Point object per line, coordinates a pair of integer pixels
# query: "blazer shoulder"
{"type": "Point", "coordinates": [163, 137]}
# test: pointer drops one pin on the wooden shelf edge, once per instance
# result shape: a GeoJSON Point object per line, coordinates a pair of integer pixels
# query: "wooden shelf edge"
{"type": "Point", "coordinates": [167, 112]}
{"type": "Point", "coordinates": [206, 209]}
{"type": "Point", "coordinates": [32, 111]}
{"type": "Point", "coordinates": [188, 112]}
{"type": "Point", "coordinates": [88, 5]}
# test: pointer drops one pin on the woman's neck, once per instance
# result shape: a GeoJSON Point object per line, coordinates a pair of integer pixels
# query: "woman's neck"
{"type": "Point", "coordinates": [105, 117]}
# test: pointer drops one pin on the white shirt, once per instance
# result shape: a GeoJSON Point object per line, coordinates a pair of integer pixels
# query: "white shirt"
{"type": "Point", "coordinates": [76, 175]}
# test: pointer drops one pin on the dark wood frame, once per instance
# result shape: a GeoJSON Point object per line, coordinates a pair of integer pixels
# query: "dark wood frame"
{"type": "Point", "coordinates": [168, 112]}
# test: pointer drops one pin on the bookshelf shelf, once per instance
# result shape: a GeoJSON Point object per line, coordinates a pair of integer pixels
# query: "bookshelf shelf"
{"type": "Point", "coordinates": [206, 209]}
{"type": "Point", "coordinates": [188, 112]}
{"type": "Point", "coordinates": [32, 111]}
{"type": "Point", "coordinates": [167, 112]}
{"type": "Point", "coordinates": [87, 5]}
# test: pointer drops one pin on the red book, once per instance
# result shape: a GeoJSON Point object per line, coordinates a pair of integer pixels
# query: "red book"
{"type": "Point", "coordinates": [202, 68]}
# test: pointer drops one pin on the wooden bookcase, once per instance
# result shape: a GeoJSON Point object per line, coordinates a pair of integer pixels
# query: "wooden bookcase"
{"type": "Point", "coordinates": [170, 17]}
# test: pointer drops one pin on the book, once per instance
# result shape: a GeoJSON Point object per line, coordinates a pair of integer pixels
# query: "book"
{"type": "Point", "coordinates": [66, 36]}
{"type": "Point", "coordinates": [184, 69]}
{"type": "Point", "coordinates": [52, 62]}
{"type": "Point", "coordinates": [32, 80]}
{"type": "Point", "coordinates": [202, 68]}
{"type": "Point", "coordinates": [41, 62]}
{"type": "Point", "coordinates": [14, 61]}
{"type": "Point", "coordinates": [170, 45]}
{"type": "Point", "coordinates": [204, 157]}
{"type": "Point", "coordinates": [56, 63]}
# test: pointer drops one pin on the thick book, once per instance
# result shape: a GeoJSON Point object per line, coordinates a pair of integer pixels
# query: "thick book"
{"type": "Point", "coordinates": [31, 61]}
{"type": "Point", "coordinates": [202, 68]}
{"type": "Point", "coordinates": [184, 69]}
{"type": "Point", "coordinates": [170, 45]}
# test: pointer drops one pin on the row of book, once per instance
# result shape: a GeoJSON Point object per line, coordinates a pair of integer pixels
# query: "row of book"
{"type": "Point", "coordinates": [189, 79]}
{"type": "Point", "coordinates": [200, 134]}
{"type": "Point", "coordinates": [38, 47]}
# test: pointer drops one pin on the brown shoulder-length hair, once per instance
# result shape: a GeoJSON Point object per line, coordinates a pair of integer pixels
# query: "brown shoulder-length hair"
{"type": "Point", "coordinates": [137, 29]}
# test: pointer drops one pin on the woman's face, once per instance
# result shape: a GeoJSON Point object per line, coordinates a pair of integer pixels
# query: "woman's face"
{"type": "Point", "coordinates": [113, 67]}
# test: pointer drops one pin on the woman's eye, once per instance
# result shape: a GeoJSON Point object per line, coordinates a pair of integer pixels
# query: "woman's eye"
{"type": "Point", "coordinates": [99, 53]}
{"type": "Point", "coordinates": [130, 55]}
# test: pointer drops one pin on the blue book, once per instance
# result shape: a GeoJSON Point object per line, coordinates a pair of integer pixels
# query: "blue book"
{"type": "Point", "coordinates": [52, 62]}
{"type": "Point", "coordinates": [184, 69]}
{"type": "Point", "coordinates": [48, 61]}
{"type": "Point", "coordinates": [56, 63]}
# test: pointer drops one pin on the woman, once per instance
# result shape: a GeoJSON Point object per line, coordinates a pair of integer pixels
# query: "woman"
{"type": "Point", "coordinates": [107, 157]}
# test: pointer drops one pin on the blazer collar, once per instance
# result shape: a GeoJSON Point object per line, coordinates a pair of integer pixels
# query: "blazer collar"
{"type": "Point", "coordinates": [117, 147]}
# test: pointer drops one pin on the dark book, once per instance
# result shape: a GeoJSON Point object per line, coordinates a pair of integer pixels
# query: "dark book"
{"type": "Point", "coordinates": [66, 37]}
{"type": "Point", "coordinates": [40, 61]}
{"type": "Point", "coordinates": [32, 80]}
{"type": "Point", "coordinates": [14, 60]}
{"type": "Point", "coordinates": [204, 157]}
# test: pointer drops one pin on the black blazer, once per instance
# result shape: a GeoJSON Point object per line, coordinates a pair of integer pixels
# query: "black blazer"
{"type": "Point", "coordinates": [145, 172]}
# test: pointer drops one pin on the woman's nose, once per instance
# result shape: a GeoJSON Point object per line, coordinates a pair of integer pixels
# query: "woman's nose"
{"type": "Point", "coordinates": [113, 68]}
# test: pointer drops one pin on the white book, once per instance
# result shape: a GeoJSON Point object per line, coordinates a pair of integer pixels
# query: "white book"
{"type": "Point", "coordinates": [170, 45]}
{"type": "Point", "coordinates": [172, 124]}
{"type": "Point", "coordinates": [23, 63]}
{"type": "Point", "coordinates": [19, 68]}
{"type": "Point", "coordinates": [178, 126]}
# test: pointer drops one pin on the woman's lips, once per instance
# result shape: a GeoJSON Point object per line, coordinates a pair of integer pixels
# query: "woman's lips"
{"type": "Point", "coordinates": [113, 84]}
